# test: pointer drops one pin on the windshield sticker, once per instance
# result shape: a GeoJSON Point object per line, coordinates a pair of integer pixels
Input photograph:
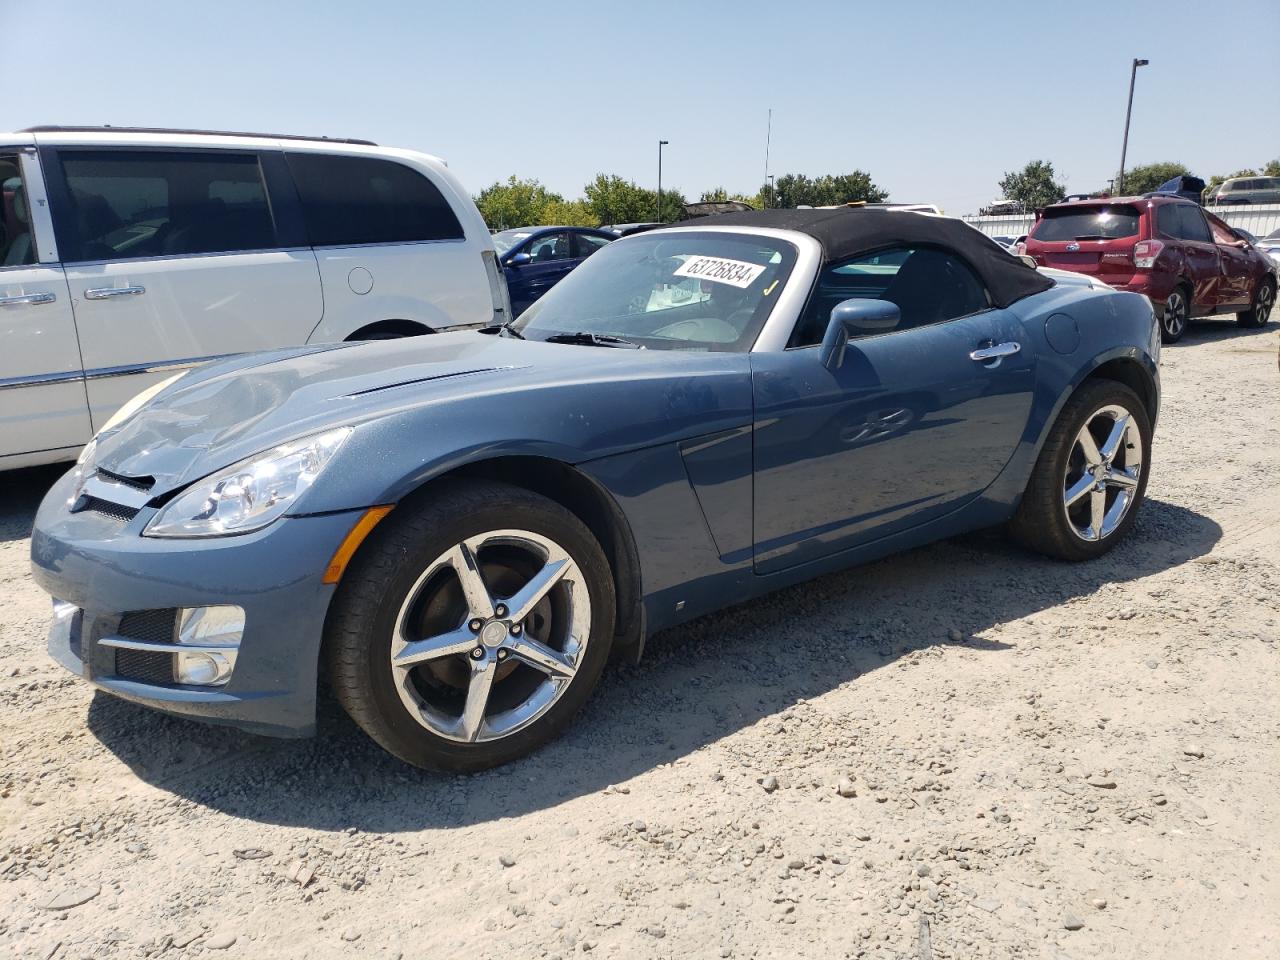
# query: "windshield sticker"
{"type": "Point", "coordinates": [736, 273]}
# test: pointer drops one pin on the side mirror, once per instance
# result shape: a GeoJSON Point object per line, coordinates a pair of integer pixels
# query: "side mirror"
{"type": "Point", "coordinates": [856, 318]}
{"type": "Point", "coordinates": [1029, 261]}
{"type": "Point", "coordinates": [519, 260]}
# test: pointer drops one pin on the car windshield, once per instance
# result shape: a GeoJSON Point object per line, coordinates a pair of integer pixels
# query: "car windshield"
{"type": "Point", "coordinates": [677, 290]}
{"type": "Point", "coordinates": [1113, 222]}
{"type": "Point", "coordinates": [1273, 235]}
{"type": "Point", "coordinates": [507, 239]}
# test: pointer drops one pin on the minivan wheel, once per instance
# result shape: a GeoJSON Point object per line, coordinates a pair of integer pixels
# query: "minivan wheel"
{"type": "Point", "coordinates": [472, 627]}
{"type": "Point", "coordinates": [1086, 488]}
{"type": "Point", "coordinates": [1259, 311]}
{"type": "Point", "coordinates": [1173, 319]}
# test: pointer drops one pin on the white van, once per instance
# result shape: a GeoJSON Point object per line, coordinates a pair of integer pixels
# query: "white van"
{"type": "Point", "coordinates": [126, 254]}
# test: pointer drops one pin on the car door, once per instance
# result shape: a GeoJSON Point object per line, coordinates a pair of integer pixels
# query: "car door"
{"type": "Point", "coordinates": [174, 256]}
{"type": "Point", "coordinates": [551, 257]}
{"type": "Point", "coordinates": [42, 399]}
{"type": "Point", "coordinates": [909, 428]}
{"type": "Point", "coordinates": [585, 244]}
{"type": "Point", "coordinates": [1236, 260]}
{"type": "Point", "coordinates": [1203, 259]}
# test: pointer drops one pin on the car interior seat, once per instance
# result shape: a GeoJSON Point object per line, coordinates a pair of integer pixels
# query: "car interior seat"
{"type": "Point", "coordinates": [21, 250]}
{"type": "Point", "coordinates": [931, 287]}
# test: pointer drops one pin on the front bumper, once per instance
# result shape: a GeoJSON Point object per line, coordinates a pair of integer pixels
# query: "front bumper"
{"type": "Point", "coordinates": [103, 567]}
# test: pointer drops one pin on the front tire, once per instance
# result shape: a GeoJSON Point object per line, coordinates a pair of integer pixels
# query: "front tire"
{"type": "Point", "coordinates": [1091, 477]}
{"type": "Point", "coordinates": [1259, 311]}
{"type": "Point", "coordinates": [471, 627]}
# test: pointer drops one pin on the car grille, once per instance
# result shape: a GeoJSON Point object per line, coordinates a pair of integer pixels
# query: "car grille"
{"type": "Point", "coordinates": [116, 511]}
{"type": "Point", "coordinates": [143, 666]}
{"type": "Point", "coordinates": [150, 626]}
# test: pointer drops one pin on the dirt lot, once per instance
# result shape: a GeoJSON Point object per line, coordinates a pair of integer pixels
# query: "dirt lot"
{"type": "Point", "coordinates": [1047, 761]}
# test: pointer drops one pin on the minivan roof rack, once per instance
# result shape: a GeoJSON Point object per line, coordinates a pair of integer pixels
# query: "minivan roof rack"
{"type": "Point", "coordinates": [107, 128]}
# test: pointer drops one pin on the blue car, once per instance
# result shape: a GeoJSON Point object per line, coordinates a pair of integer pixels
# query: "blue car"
{"type": "Point", "coordinates": [535, 259]}
{"type": "Point", "coordinates": [459, 531]}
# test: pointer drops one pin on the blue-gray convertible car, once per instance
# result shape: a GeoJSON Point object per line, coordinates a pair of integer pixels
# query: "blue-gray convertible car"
{"type": "Point", "coordinates": [458, 531]}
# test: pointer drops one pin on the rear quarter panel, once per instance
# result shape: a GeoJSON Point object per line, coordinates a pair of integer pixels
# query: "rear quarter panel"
{"type": "Point", "coordinates": [1111, 325]}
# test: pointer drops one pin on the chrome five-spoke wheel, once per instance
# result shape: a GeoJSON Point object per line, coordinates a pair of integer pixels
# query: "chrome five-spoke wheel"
{"type": "Point", "coordinates": [472, 625]}
{"type": "Point", "coordinates": [490, 635]}
{"type": "Point", "coordinates": [1103, 472]}
{"type": "Point", "coordinates": [1089, 481]}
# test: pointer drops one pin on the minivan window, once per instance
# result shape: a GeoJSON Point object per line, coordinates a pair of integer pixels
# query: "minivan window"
{"type": "Point", "coordinates": [17, 245]}
{"type": "Point", "coordinates": [155, 203]}
{"type": "Point", "coordinates": [1111, 222]}
{"type": "Point", "coordinates": [354, 200]}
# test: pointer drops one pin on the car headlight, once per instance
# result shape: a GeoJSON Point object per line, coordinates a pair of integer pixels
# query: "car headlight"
{"type": "Point", "coordinates": [250, 494]}
{"type": "Point", "coordinates": [137, 403]}
{"type": "Point", "coordinates": [83, 470]}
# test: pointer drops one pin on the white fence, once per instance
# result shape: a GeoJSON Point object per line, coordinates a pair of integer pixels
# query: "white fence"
{"type": "Point", "coordinates": [1258, 219]}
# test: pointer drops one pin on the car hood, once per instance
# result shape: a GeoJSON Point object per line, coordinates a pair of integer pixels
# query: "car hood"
{"type": "Point", "coordinates": [221, 413]}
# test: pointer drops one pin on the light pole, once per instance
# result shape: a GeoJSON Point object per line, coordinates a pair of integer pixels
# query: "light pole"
{"type": "Point", "coordinates": [771, 191]}
{"type": "Point", "coordinates": [661, 144]}
{"type": "Point", "coordinates": [1133, 75]}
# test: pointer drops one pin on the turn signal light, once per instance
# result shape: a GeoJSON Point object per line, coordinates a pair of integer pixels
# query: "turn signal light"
{"type": "Point", "coordinates": [1145, 253]}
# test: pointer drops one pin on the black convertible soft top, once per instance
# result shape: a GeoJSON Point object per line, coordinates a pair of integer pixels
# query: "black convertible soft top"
{"type": "Point", "coordinates": [845, 232]}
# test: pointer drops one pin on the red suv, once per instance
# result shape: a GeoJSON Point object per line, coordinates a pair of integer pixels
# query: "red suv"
{"type": "Point", "coordinates": [1187, 261]}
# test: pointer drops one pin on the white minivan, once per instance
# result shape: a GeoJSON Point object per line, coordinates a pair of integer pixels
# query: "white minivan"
{"type": "Point", "coordinates": [126, 254]}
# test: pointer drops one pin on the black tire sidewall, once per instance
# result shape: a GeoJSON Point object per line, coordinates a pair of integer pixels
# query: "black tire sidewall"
{"type": "Point", "coordinates": [417, 539]}
{"type": "Point", "coordinates": [1250, 317]}
{"type": "Point", "coordinates": [1165, 335]}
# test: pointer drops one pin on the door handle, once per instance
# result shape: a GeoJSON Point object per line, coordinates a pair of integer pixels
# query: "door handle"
{"type": "Point", "coordinates": [106, 293]}
{"type": "Point", "coordinates": [31, 298]}
{"type": "Point", "coordinates": [996, 352]}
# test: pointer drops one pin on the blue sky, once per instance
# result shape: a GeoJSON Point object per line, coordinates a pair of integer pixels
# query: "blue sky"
{"type": "Point", "coordinates": [936, 100]}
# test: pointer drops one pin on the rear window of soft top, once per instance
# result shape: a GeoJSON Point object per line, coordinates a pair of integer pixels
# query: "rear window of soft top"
{"type": "Point", "coordinates": [1110, 222]}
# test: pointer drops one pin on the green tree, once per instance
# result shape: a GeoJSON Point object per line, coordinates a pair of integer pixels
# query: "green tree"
{"type": "Point", "coordinates": [614, 200]}
{"type": "Point", "coordinates": [796, 189]}
{"type": "Point", "coordinates": [1272, 169]}
{"type": "Point", "coordinates": [568, 213]}
{"type": "Point", "coordinates": [720, 193]}
{"type": "Point", "coordinates": [672, 203]}
{"type": "Point", "coordinates": [515, 203]}
{"type": "Point", "coordinates": [1146, 177]}
{"type": "Point", "coordinates": [1033, 186]}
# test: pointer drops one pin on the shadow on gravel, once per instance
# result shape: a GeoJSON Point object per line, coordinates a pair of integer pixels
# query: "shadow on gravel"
{"type": "Point", "coordinates": [1214, 329]}
{"type": "Point", "coordinates": [20, 494]}
{"type": "Point", "coordinates": [698, 684]}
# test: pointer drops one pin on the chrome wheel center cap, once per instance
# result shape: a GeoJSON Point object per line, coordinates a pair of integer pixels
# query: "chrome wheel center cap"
{"type": "Point", "coordinates": [494, 634]}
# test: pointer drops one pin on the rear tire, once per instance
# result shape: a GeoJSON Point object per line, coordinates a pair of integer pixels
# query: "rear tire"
{"type": "Point", "coordinates": [1259, 312]}
{"type": "Point", "coordinates": [1175, 315]}
{"type": "Point", "coordinates": [1091, 477]}
{"type": "Point", "coordinates": [440, 645]}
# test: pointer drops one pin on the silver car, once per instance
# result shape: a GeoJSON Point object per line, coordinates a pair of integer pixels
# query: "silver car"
{"type": "Point", "coordinates": [1247, 190]}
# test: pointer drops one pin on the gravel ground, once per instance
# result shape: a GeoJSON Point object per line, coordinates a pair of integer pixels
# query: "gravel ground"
{"type": "Point", "coordinates": [960, 752]}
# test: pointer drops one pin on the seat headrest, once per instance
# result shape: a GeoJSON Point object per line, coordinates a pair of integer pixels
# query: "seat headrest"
{"type": "Point", "coordinates": [14, 185]}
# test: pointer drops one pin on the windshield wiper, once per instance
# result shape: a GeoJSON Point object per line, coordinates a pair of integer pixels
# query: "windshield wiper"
{"type": "Point", "coordinates": [593, 340]}
{"type": "Point", "coordinates": [499, 328]}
